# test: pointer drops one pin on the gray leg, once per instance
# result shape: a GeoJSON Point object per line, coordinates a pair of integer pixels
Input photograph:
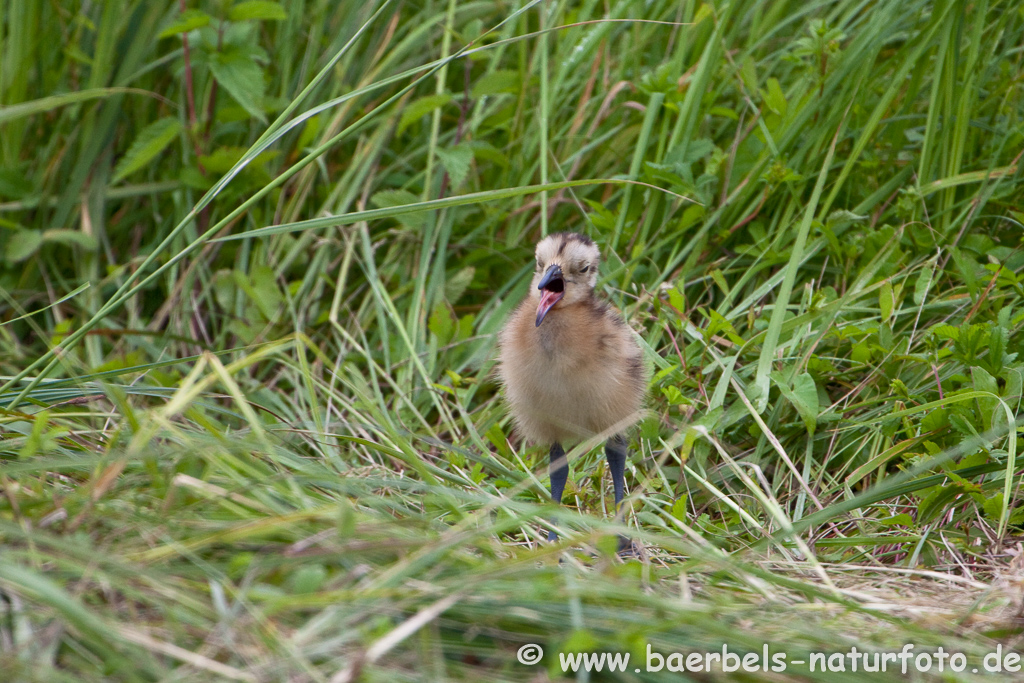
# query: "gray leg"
{"type": "Point", "coordinates": [559, 473]}
{"type": "Point", "coordinates": [615, 451]}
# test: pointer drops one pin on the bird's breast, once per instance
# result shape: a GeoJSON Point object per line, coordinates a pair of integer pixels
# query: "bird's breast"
{"type": "Point", "coordinates": [571, 378]}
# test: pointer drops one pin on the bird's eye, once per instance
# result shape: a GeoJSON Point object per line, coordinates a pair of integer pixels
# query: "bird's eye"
{"type": "Point", "coordinates": [584, 269]}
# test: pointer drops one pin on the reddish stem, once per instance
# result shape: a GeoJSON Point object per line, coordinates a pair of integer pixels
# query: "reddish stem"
{"type": "Point", "coordinates": [190, 94]}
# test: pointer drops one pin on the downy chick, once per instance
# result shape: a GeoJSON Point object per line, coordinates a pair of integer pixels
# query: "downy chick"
{"type": "Point", "coordinates": [570, 365]}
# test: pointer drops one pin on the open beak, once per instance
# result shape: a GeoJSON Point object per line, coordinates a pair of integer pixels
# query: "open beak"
{"type": "Point", "coordinates": [552, 289]}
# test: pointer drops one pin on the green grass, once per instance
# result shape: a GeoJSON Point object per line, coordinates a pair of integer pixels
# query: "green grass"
{"type": "Point", "coordinates": [249, 426]}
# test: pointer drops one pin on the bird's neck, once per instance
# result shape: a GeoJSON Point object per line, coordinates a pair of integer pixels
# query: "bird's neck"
{"type": "Point", "coordinates": [559, 333]}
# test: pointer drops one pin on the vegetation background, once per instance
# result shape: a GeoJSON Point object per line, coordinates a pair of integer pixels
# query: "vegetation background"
{"type": "Point", "coordinates": [255, 254]}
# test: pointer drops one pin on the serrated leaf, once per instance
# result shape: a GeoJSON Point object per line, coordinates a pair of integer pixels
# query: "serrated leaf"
{"type": "Point", "coordinates": [419, 108]}
{"type": "Point", "coordinates": [258, 10]}
{"type": "Point", "coordinates": [242, 78]}
{"type": "Point", "coordinates": [945, 331]}
{"type": "Point", "coordinates": [456, 160]}
{"type": "Point", "coordinates": [993, 506]}
{"type": "Point", "coordinates": [189, 20]}
{"type": "Point", "coordinates": [22, 244]}
{"type": "Point", "coordinates": [148, 144]}
{"type": "Point", "coordinates": [674, 396]}
{"type": "Point", "coordinates": [961, 425]}
{"type": "Point", "coordinates": [679, 509]}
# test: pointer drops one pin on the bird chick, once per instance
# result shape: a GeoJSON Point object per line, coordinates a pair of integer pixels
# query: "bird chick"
{"type": "Point", "coordinates": [569, 363]}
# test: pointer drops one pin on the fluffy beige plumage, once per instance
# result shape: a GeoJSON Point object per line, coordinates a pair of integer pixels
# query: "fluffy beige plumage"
{"type": "Point", "coordinates": [569, 363]}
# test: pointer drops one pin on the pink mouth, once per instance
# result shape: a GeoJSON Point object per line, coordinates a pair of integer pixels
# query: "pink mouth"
{"type": "Point", "coordinates": [547, 300]}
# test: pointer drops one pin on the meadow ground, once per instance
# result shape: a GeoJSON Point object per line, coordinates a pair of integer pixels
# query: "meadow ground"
{"type": "Point", "coordinates": [255, 256]}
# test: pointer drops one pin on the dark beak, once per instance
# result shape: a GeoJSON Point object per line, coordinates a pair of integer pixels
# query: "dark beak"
{"type": "Point", "coordinates": [552, 289]}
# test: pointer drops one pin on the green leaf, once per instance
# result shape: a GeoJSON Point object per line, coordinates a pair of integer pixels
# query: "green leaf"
{"type": "Point", "coordinates": [967, 267]}
{"type": "Point", "coordinates": [308, 578]}
{"type": "Point", "coordinates": [409, 208]}
{"type": "Point", "coordinates": [804, 397]}
{"type": "Point", "coordinates": [148, 144]}
{"type": "Point", "coordinates": [723, 111]}
{"type": "Point", "coordinates": [387, 199]}
{"type": "Point", "coordinates": [496, 82]}
{"type": "Point", "coordinates": [886, 301]}
{"type": "Point", "coordinates": [456, 160]}
{"type": "Point", "coordinates": [484, 151]}
{"type": "Point", "coordinates": [902, 518]}
{"type": "Point", "coordinates": [719, 279]}
{"type": "Point", "coordinates": [580, 640]}
{"type": "Point", "coordinates": [71, 237]}
{"type": "Point", "coordinates": [840, 218]}
{"type": "Point", "coordinates": [265, 292]}
{"type": "Point", "coordinates": [993, 506]}
{"type": "Point", "coordinates": [442, 322]}
{"type": "Point", "coordinates": [923, 284]}
{"type": "Point", "coordinates": [242, 78]}
{"type": "Point", "coordinates": [419, 108]}
{"type": "Point", "coordinates": [861, 352]}
{"type": "Point", "coordinates": [935, 420]}
{"type": "Point", "coordinates": [774, 97]}
{"type": "Point", "coordinates": [935, 503]}
{"type": "Point", "coordinates": [14, 184]}
{"type": "Point", "coordinates": [23, 109]}
{"type": "Point", "coordinates": [674, 396]}
{"type": "Point", "coordinates": [497, 439]}
{"type": "Point", "coordinates": [945, 331]}
{"type": "Point", "coordinates": [456, 285]}
{"type": "Point", "coordinates": [650, 428]}
{"type": "Point", "coordinates": [22, 244]}
{"type": "Point", "coordinates": [189, 20]}
{"type": "Point", "coordinates": [466, 326]}
{"type": "Point", "coordinates": [676, 299]}
{"type": "Point", "coordinates": [679, 508]}
{"type": "Point", "coordinates": [258, 10]}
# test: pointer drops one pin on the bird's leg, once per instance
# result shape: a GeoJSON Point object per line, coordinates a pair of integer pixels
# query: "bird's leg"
{"type": "Point", "coordinates": [615, 451]}
{"type": "Point", "coordinates": [559, 473]}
